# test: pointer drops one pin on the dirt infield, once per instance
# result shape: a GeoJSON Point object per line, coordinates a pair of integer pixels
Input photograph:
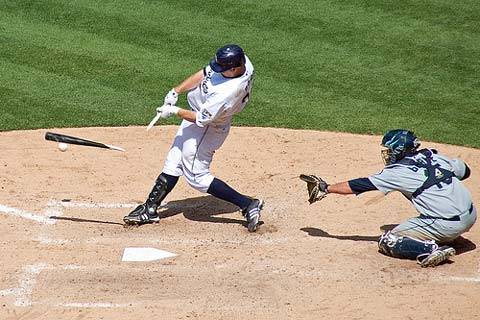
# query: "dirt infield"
{"type": "Point", "coordinates": [62, 236]}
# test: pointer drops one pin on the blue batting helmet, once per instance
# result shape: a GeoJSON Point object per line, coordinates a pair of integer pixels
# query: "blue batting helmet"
{"type": "Point", "coordinates": [399, 143]}
{"type": "Point", "coordinates": [228, 57]}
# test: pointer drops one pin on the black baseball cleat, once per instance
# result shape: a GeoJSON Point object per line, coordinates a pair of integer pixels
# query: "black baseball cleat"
{"type": "Point", "coordinates": [141, 216]}
{"type": "Point", "coordinates": [252, 214]}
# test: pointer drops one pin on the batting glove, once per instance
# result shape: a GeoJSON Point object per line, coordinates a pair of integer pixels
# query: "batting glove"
{"type": "Point", "coordinates": [171, 98]}
{"type": "Point", "coordinates": [167, 110]}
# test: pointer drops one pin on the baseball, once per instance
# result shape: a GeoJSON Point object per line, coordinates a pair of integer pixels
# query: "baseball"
{"type": "Point", "coordinates": [62, 146]}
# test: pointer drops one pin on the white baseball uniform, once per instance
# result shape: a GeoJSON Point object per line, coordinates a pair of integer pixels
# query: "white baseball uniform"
{"type": "Point", "coordinates": [215, 101]}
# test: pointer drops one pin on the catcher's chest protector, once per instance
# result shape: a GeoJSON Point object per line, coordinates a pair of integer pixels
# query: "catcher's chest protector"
{"type": "Point", "coordinates": [435, 174]}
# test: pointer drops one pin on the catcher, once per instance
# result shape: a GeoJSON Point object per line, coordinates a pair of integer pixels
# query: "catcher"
{"type": "Point", "coordinates": [431, 182]}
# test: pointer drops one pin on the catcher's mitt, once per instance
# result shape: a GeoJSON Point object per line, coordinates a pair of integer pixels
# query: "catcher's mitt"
{"type": "Point", "coordinates": [317, 187]}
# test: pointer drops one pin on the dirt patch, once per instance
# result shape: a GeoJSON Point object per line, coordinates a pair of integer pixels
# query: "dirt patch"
{"type": "Point", "coordinates": [62, 236]}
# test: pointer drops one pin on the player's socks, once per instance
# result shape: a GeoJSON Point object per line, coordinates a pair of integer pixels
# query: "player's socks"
{"type": "Point", "coordinates": [221, 190]}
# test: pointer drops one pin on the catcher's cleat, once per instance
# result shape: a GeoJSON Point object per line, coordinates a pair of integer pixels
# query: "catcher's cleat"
{"type": "Point", "coordinates": [436, 257]}
{"type": "Point", "coordinates": [252, 213]}
{"type": "Point", "coordinates": [141, 216]}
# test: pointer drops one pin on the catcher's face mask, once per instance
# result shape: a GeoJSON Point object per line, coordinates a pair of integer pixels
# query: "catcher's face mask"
{"type": "Point", "coordinates": [387, 156]}
{"type": "Point", "coordinates": [399, 143]}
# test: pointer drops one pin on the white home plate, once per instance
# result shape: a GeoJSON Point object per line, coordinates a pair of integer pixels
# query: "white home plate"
{"type": "Point", "coordinates": [145, 254]}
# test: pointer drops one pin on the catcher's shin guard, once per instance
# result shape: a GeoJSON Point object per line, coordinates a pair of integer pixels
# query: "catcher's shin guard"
{"type": "Point", "coordinates": [404, 247]}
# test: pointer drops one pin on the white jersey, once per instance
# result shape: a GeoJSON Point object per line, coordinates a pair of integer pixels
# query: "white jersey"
{"type": "Point", "coordinates": [445, 199]}
{"type": "Point", "coordinates": [218, 98]}
{"type": "Point", "coordinates": [215, 101]}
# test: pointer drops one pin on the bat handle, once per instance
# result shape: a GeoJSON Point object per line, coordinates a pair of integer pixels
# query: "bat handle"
{"type": "Point", "coordinates": [154, 120]}
{"type": "Point", "coordinates": [115, 147]}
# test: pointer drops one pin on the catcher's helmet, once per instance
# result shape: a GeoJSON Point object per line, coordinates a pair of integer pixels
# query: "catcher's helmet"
{"type": "Point", "coordinates": [399, 143]}
{"type": "Point", "coordinates": [228, 57]}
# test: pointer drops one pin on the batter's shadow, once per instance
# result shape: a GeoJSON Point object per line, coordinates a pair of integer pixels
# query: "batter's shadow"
{"type": "Point", "coordinates": [203, 209]}
{"type": "Point", "coordinates": [74, 219]}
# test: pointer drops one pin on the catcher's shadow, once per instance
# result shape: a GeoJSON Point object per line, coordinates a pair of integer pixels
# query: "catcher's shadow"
{"type": "Point", "coordinates": [463, 245]}
{"type": "Point", "coordinates": [314, 232]}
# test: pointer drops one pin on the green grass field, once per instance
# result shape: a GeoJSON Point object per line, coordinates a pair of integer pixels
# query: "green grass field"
{"type": "Point", "coordinates": [351, 66]}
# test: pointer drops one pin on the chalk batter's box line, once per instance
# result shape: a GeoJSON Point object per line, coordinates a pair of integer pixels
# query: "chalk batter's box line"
{"type": "Point", "coordinates": [28, 280]}
{"type": "Point", "coordinates": [54, 208]}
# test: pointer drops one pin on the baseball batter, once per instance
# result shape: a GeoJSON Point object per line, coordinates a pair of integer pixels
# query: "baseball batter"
{"type": "Point", "coordinates": [215, 94]}
{"type": "Point", "coordinates": [431, 182]}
